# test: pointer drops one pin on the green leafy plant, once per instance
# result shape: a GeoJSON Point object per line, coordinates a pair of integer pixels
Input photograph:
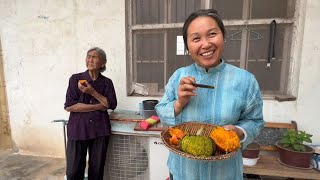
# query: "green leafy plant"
{"type": "Point", "coordinates": [294, 140]}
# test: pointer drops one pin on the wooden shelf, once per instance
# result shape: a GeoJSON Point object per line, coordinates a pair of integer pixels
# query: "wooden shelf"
{"type": "Point", "coordinates": [268, 165]}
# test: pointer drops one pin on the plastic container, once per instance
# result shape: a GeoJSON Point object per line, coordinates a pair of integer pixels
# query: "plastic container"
{"type": "Point", "coordinates": [149, 104]}
{"type": "Point", "coordinates": [250, 161]}
{"type": "Point", "coordinates": [251, 151]}
{"type": "Point", "coordinates": [146, 113]}
{"type": "Point", "coordinates": [250, 155]}
{"type": "Point", "coordinates": [141, 111]}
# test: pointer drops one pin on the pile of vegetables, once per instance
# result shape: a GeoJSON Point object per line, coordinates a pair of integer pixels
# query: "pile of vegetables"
{"type": "Point", "coordinates": [199, 145]}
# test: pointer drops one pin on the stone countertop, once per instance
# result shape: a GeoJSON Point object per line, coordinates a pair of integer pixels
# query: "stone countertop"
{"type": "Point", "coordinates": [127, 128]}
{"type": "Point", "coordinates": [125, 115]}
{"type": "Point", "coordinates": [125, 121]}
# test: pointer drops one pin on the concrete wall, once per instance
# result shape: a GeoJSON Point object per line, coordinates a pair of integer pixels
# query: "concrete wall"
{"type": "Point", "coordinates": [308, 102]}
{"type": "Point", "coordinates": [45, 41]}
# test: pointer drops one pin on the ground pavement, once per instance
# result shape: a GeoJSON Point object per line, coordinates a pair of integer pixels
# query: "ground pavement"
{"type": "Point", "coordinates": [21, 167]}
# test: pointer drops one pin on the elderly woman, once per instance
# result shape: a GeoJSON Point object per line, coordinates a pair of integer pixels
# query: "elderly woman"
{"type": "Point", "coordinates": [88, 97]}
{"type": "Point", "coordinates": [235, 103]}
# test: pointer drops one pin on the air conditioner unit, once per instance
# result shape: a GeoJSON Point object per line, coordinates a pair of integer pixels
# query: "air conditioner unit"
{"type": "Point", "coordinates": [134, 157]}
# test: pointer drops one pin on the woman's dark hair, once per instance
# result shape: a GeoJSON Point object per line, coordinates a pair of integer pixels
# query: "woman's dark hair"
{"type": "Point", "coordinates": [102, 56]}
{"type": "Point", "coordinates": [202, 12]}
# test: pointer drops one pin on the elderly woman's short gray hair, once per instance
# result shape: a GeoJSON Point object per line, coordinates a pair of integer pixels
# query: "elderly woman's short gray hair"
{"type": "Point", "coordinates": [102, 56]}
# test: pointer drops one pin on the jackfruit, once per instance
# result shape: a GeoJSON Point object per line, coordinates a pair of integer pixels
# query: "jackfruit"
{"type": "Point", "coordinates": [198, 145]}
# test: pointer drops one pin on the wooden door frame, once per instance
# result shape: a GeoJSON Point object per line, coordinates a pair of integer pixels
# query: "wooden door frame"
{"type": "Point", "coordinates": [5, 131]}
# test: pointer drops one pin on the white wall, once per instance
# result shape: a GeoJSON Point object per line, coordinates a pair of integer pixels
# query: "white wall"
{"type": "Point", "coordinates": [45, 41]}
{"type": "Point", "coordinates": [308, 102]}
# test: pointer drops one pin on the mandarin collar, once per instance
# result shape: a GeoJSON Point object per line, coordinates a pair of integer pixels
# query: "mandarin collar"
{"type": "Point", "coordinates": [87, 77]}
{"type": "Point", "coordinates": [211, 70]}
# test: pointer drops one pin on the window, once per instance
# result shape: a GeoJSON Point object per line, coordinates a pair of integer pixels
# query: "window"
{"type": "Point", "coordinates": [154, 25]}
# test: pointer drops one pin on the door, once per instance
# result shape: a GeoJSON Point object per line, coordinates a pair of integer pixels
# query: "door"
{"type": "Point", "coordinates": [5, 133]}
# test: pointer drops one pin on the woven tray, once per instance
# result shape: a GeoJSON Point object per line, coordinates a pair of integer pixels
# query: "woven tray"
{"type": "Point", "coordinates": [191, 128]}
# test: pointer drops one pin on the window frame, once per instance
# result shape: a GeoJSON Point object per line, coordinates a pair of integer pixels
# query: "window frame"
{"type": "Point", "coordinates": [287, 73]}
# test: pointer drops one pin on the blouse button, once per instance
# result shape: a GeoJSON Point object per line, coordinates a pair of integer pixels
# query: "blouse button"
{"type": "Point", "coordinates": [90, 120]}
{"type": "Point", "coordinates": [90, 102]}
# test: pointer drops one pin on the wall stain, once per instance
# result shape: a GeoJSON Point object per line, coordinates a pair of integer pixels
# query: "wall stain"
{"type": "Point", "coordinates": [27, 119]}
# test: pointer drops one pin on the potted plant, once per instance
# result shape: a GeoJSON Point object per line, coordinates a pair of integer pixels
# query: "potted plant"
{"type": "Point", "coordinates": [292, 151]}
{"type": "Point", "coordinates": [250, 154]}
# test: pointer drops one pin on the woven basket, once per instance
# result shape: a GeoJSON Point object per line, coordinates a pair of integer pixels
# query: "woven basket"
{"type": "Point", "coordinates": [191, 128]}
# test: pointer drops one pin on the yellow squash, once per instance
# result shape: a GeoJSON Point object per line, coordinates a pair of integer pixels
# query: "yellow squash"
{"type": "Point", "coordinates": [226, 140]}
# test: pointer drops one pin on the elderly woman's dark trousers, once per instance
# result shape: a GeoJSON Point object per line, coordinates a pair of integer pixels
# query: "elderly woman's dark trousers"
{"type": "Point", "coordinates": [76, 158]}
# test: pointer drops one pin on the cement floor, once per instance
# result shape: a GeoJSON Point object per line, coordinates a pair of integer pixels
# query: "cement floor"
{"type": "Point", "coordinates": [21, 167]}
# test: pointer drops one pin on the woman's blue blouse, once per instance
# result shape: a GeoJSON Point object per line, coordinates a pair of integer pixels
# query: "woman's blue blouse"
{"type": "Point", "coordinates": [235, 100]}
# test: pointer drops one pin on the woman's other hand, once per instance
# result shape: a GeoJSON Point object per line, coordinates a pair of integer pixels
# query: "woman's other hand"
{"type": "Point", "coordinates": [185, 92]}
{"type": "Point", "coordinates": [238, 131]}
{"type": "Point", "coordinates": [86, 88]}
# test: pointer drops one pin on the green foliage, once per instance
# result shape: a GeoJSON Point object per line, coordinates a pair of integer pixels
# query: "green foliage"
{"type": "Point", "coordinates": [294, 140]}
{"type": "Point", "coordinates": [198, 145]}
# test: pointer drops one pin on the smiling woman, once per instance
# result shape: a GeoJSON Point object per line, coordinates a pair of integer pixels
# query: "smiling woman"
{"type": "Point", "coordinates": [205, 42]}
{"type": "Point", "coordinates": [235, 103]}
{"type": "Point", "coordinates": [204, 39]}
